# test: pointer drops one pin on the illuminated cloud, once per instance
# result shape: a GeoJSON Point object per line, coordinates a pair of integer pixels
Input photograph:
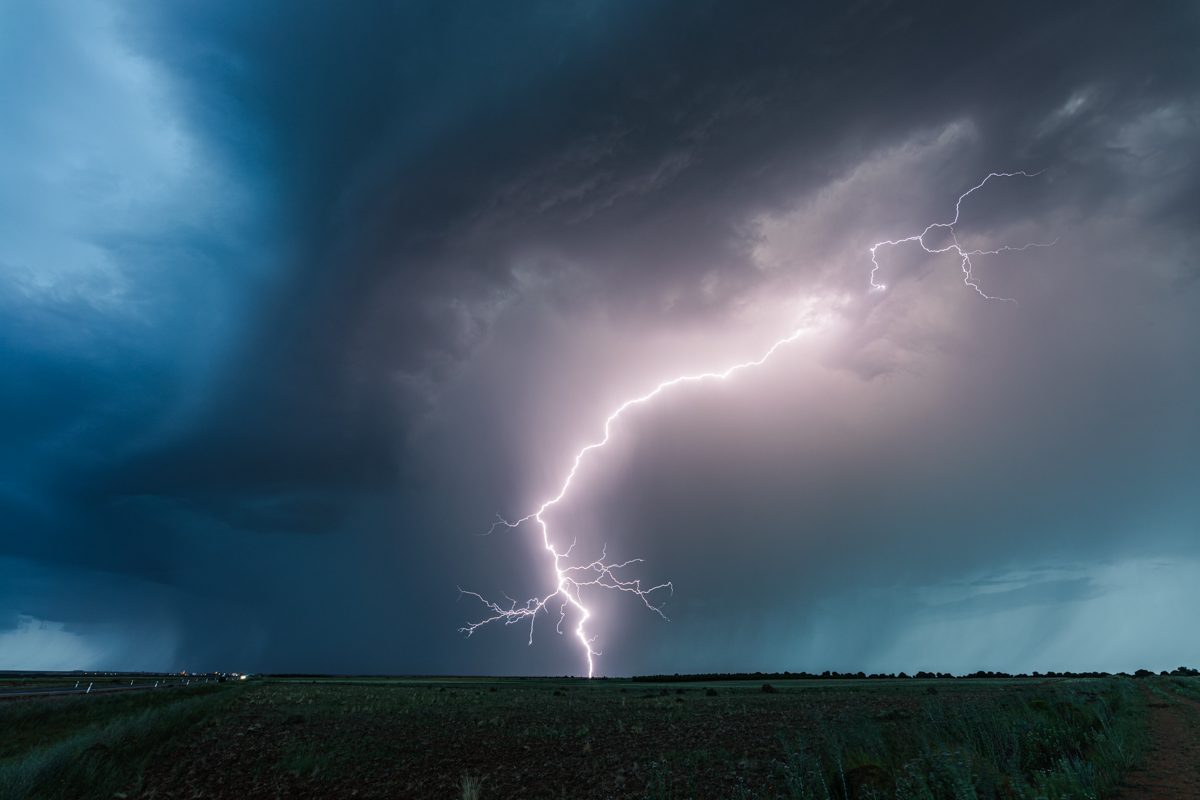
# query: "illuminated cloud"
{"type": "Point", "coordinates": [295, 301]}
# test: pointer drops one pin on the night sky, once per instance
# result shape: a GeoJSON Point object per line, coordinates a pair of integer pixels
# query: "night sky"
{"type": "Point", "coordinates": [297, 297]}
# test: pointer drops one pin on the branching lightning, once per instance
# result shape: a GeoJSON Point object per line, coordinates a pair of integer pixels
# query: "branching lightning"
{"type": "Point", "coordinates": [570, 579]}
{"type": "Point", "coordinates": [965, 255]}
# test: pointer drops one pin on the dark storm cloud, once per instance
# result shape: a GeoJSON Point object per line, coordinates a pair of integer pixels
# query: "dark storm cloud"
{"type": "Point", "coordinates": [313, 291]}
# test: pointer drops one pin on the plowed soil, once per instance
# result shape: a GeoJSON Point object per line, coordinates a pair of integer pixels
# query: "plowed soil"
{"type": "Point", "coordinates": [543, 739]}
{"type": "Point", "coordinates": [519, 742]}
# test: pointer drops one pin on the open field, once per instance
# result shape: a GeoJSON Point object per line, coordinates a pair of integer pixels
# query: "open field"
{"type": "Point", "coordinates": [542, 738]}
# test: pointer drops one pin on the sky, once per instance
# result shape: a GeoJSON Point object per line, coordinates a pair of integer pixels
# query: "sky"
{"type": "Point", "coordinates": [298, 299]}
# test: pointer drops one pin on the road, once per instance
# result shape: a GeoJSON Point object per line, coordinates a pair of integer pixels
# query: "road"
{"type": "Point", "coordinates": [84, 686]}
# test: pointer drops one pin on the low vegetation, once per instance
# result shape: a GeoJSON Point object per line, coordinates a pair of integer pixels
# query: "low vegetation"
{"type": "Point", "coordinates": [1064, 741]}
{"type": "Point", "coordinates": [1010, 739]}
{"type": "Point", "coordinates": [79, 746]}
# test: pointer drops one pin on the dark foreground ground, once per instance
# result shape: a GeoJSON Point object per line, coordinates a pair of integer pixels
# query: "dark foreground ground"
{"type": "Point", "coordinates": [838, 740]}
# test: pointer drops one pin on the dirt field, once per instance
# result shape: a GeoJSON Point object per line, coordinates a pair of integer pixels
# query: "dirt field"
{"type": "Point", "coordinates": [549, 739]}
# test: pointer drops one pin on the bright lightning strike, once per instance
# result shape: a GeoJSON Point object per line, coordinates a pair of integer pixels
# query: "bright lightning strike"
{"type": "Point", "coordinates": [569, 579]}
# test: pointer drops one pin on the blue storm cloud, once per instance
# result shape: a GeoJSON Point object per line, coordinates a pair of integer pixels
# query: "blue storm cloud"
{"type": "Point", "coordinates": [295, 297]}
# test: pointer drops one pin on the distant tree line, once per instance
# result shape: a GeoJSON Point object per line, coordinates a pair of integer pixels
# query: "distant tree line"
{"type": "Point", "coordinates": [828, 675]}
{"type": "Point", "coordinates": [297, 675]}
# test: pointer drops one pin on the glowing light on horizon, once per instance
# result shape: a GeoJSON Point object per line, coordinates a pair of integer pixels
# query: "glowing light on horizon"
{"type": "Point", "coordinates": [570, 579]}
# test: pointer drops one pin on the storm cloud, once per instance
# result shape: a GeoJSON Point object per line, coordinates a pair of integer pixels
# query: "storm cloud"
{"type": "Point", "coordinates": [296, 298]}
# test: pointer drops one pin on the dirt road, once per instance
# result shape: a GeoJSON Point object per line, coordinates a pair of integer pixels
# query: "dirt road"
{"type": "Point", "coordinates": [1173, 768]}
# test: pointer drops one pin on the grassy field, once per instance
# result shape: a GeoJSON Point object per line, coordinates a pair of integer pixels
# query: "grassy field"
{"type": "Point", "coordinates": [824, 740]}
{"type": "Point", "coordinates": [78, 746]}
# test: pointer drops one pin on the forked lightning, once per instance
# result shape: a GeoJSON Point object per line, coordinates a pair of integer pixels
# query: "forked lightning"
{"type": "Point", "coordinates": [571, 579]}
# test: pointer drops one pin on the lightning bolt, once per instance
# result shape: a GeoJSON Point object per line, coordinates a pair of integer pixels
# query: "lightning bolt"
{"type": "Point", "coordinates": [964, 255]}
{"type": "Point", "coordinates": [570, 579]}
